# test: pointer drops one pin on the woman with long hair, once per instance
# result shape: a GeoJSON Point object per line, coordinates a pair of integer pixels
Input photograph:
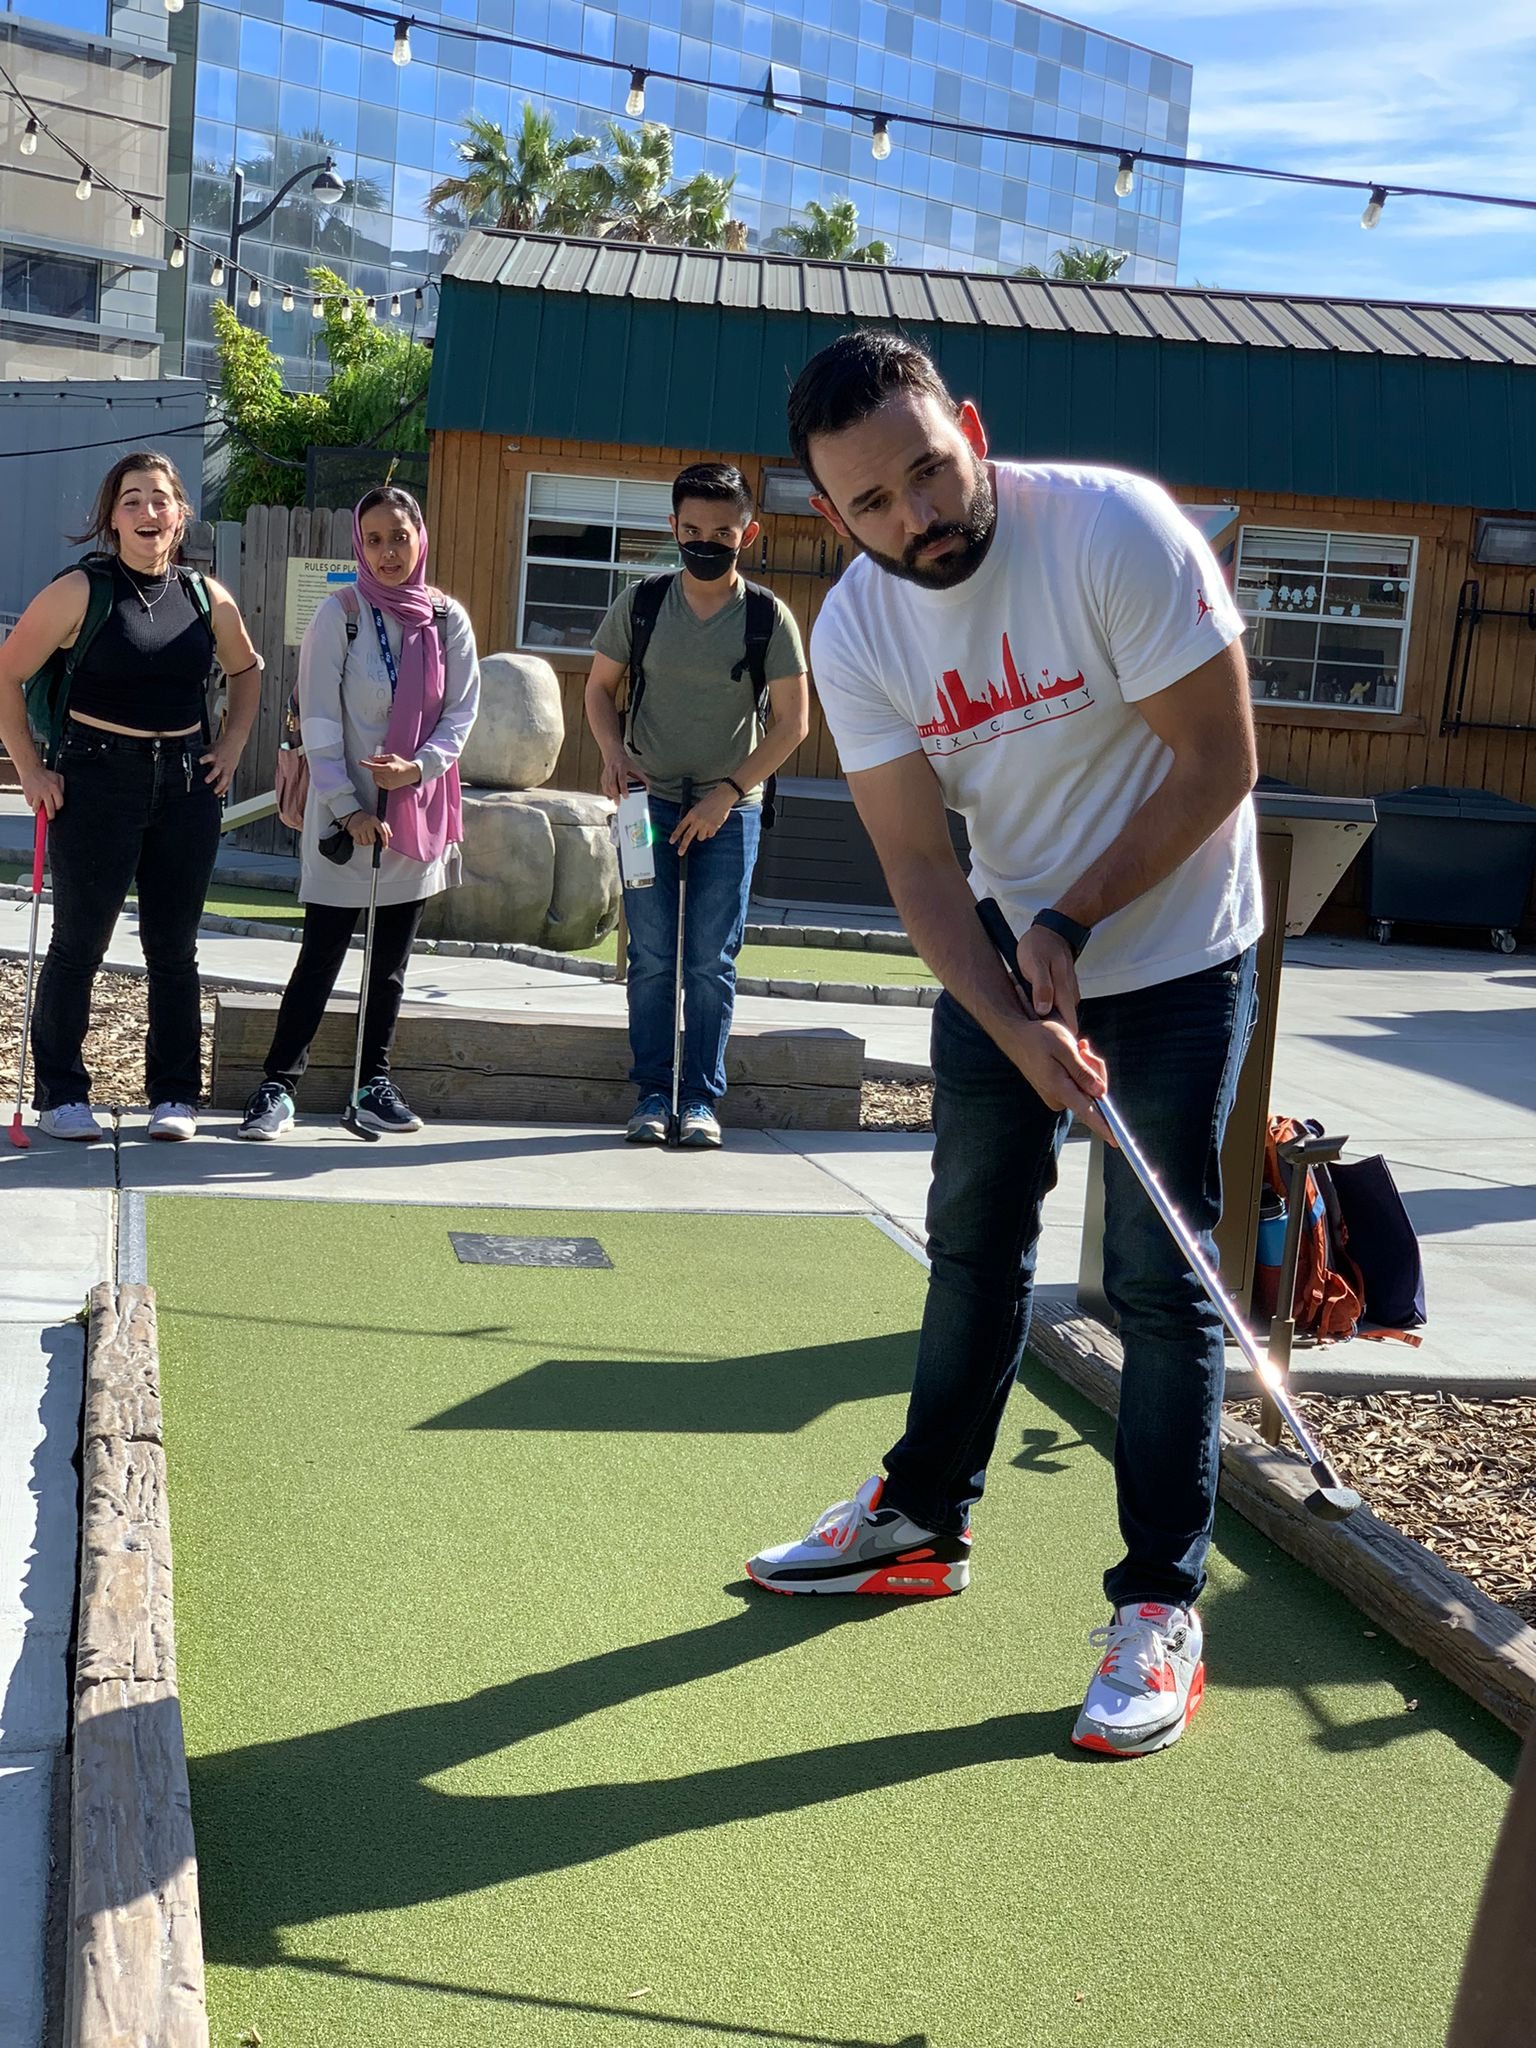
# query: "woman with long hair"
{"type": "Point", "coordinates": [389, 684]}
{"type": "Point", "coordinates": [133, 789]}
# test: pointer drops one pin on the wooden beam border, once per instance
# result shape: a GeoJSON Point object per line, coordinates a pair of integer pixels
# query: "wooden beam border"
{"type": "Point", "coordinates": [134, 1963]}
{"type": "Point", "coordinates": [1485, 1649]}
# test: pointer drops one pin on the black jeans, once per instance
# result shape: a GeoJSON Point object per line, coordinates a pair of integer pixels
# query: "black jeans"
{"type": "Point", "coordinates": [327, 929]}
{"type": "Point", "coordinates": [133, 809]}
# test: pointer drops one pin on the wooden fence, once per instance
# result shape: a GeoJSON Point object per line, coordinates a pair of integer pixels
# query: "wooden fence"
{"type": "Point", "coordinates": [252, 561]}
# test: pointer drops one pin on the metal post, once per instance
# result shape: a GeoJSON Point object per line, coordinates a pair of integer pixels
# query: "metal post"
{"type": "Point", "coordinates": [231, 274]}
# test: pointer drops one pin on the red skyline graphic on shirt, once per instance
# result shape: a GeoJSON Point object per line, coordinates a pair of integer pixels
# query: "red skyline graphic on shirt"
{"type": "Point", "coordinates": [960, 712]}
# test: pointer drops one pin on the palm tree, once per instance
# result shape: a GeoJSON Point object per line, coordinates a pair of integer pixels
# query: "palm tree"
{"type": "Point", "coordinates": [526, 183]}
{"type": "Point", "coordinates": [831, 236]}
{"type": "Point", "coordinates": [630, 191]}
{"type": "Point", "coordinates": [1079, 265]}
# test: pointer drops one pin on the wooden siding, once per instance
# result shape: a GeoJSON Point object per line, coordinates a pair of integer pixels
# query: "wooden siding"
{"type": "Point", "coordinates": [478, 487]}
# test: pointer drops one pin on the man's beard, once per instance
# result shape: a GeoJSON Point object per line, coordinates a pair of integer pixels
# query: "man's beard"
{"type": "Point", "coordinates": [974, 532]}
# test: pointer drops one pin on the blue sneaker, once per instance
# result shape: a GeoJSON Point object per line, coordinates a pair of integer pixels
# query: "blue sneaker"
{"type": "Point", "coordinates": [700, 1126]}
{"type": "Point", "coordinates": [648, 1125]}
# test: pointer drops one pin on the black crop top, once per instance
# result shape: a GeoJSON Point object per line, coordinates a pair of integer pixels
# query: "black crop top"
{"type": "Point", "coordinates": [147, 666]}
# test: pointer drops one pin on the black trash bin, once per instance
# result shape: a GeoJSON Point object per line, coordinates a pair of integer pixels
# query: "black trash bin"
{"type": "Point", "coordinates": [1458, 857]}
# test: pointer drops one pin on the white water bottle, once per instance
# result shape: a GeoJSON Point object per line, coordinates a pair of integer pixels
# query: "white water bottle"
{"type": "Point", "coordinates": [632, 826]}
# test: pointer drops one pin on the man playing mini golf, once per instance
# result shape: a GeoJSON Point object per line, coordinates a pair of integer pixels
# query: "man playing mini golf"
{"type": "Point", "coordinates": [1052, 652]}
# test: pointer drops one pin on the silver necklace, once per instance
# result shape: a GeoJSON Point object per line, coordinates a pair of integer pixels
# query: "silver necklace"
{"type": "Point", "coordinates": [149, 603]}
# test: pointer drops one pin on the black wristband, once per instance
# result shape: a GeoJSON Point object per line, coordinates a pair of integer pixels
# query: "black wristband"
{"type": "Point", "coordinates": [735, 785]}
{"type": "Point", "coordinates": [1076, 935]}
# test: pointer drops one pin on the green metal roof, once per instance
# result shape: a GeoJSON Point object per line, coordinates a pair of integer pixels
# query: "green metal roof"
{"type": "Point", "coordinates": [686, 348]}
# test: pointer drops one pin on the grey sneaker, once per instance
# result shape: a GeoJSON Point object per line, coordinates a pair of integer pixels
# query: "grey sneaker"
{"type": "Point", "coordinates": [860, 1547]}
{"type": "Point", "coordinates": [1148, 1684]}
{"type": "Point", "coordinates": [173, 1122]}
{"type": "Point", "coordinates": [72, 1120]}
{"type": "Point", "coordinates": [700, 1126]}
{"type": "Point", "coordinates": [268, 1113]}
{"type": "Point", "coordinates": [648, 1125]}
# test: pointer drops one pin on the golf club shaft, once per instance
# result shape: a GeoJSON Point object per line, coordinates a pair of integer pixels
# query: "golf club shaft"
{"type": "Point", "coordinates": [1000, 932]}
{"type": "Point", "coordinates": [677, 985]}
{"type": "Point", "coordinates": [39, 846]}
{"type": "Point", "coordinates": [362, 994]}
{"type": "Point", "coordinates": [1269, 1379]}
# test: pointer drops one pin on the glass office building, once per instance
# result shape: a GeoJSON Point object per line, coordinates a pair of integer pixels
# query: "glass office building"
{"type": "Point", "coordinates": [279, 82]}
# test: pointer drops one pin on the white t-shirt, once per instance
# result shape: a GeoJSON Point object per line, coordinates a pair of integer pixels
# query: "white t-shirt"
{"type": "Point", "coordinates": [1019, 686]}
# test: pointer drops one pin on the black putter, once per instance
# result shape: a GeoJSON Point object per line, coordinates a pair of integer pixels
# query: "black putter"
{"type": "Point", "coordinates": [675, 1122]}
{"type": "Point", "coordinates": [350, 1121]}
{"type": "Point", "coordinates": [1333, 1501]}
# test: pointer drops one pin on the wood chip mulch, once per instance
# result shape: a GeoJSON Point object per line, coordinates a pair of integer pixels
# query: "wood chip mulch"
{"type": "Point", "coordinates": [1459, 1475]}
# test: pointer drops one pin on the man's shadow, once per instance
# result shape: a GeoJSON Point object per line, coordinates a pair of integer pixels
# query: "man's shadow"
{"type": "Point", "coordinates": [342, 1821]}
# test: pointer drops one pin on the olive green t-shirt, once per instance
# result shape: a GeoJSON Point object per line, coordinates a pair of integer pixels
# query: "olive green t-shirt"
{"type": "Point", "coordinates": [694, 720]}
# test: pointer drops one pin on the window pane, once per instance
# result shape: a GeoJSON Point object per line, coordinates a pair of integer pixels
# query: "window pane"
{"type": "Point", "coordinates": [1373, 689]}
{"type": "Point", "coordinates": [646, 550]}
{"type": "Point", "coordinates": [552, 625]}
{"type": "Point", "coordinates": [572, 497]}
{"type": "Point", "coordinates": [559, 537]}
{"type": "Point", "coordinates": [1340, 640]}
{"type": "Point", "coordinates": [1283, 639]}
{"type": "Point", "coordinates": [1365, 597]}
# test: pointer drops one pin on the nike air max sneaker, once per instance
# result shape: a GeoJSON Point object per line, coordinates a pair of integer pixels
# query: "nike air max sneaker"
{"type": "Point", "coordinates": [860, 1547]}
{"type": "Point", "coordinates": [1149, 1683]}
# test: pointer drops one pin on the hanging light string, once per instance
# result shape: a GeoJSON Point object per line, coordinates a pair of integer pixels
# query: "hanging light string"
{"type": "Point", "coordinates": [185, 244]}
{"type": "Point", "coordinates": [881, 121]}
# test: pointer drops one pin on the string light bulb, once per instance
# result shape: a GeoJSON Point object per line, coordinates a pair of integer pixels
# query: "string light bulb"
{"type": "Point", "coordinates": [317, 309]}
{"type": "Point", "coordinates": [216, 275]}
{"type": "Point", "coordinates": [83, 189]}
{"type": "Point", "coordinates": [880, 138]}
{"type": "Point", "coordinates": [394, 307]}
{"type": "Point", "coordinates": [136, 223]}
{"type": "Point", "coordinates": [288, 298]}
{"type": "Point", "coordinates": [253, 296]}
{"type": "Point", "coordinates": [1373, 206]}
{"type": "Point", "coordinates": [174, 6]}
{"type": "Point", "coordinates": [373, 309]}
{"type": "Point", "coordinates": [178, 256]}
{"type": "Point", "coordinates": [28, 144]}
{"type": "Point", "coordinates": [1125, 177]}
{"type": "Point", "coordinates": [402, 50]}
{"type": "Point", "coordinates": [420, 298]}
{"type": "Point", "coordinates": [634, 105]}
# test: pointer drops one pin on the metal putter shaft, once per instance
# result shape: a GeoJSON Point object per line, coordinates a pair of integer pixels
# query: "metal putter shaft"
{"type": "Point", "coordinates": [1333, 1501]}
{"type": "Point", "coordinates": [675, 1125]}
{"type": "Point", "coordinates": [19, 1137]}
{"type": "Point", "coordinates": [350, 1120]}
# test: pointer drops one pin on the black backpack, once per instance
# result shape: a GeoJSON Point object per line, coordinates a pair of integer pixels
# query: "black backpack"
{"type": "Point", "coordinates": [762, 618]}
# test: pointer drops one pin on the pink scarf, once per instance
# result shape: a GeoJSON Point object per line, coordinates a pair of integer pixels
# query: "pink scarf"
{"type": "Point", "coordinates": [426, 819]}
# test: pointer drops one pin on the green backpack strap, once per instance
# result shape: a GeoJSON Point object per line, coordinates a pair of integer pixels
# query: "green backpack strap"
{"type": "Point", "coordinates": [47, 692]}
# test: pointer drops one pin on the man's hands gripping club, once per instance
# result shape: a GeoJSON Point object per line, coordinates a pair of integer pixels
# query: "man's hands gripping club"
{"type": "Point", "coordinates": [1062, 1068]}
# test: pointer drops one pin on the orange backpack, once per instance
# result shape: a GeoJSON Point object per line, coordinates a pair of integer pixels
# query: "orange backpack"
{"type": "Point", "coordinates": [1330, 1293]}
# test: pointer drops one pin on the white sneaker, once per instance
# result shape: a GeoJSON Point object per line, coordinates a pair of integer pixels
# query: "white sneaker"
{"type": "Point", "coordinates": [173, 1121]}
{"type": "Point", "coordinates": [1151, 1679]}
{"type": "Point", "coordinates": [71, 1120]}
{"type": "Point", "coordinates": [860, 1547]}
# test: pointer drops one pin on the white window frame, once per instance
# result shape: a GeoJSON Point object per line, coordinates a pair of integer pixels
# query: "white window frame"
{"type": "Point", "coordinates": [617, 487]}
{"type": "Point", "coordinates": [1302, 707]}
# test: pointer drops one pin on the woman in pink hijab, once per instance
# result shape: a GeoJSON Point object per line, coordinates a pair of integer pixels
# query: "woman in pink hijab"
{"type": "Point", "coordinates": [389, 683]}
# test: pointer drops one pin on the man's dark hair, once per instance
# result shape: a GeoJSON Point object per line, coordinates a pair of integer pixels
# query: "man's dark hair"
{"type": "Point", "coordinates": [721, 482]}
{"type": "Point", "coordinates": [852, 379]}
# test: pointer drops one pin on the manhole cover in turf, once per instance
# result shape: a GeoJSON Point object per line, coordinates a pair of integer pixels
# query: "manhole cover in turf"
{"type": "Point", "coordinates": [477, 1248]}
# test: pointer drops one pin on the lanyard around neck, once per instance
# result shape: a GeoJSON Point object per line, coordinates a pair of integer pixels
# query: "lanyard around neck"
{"type": "Point", "coordinates": [384, 649]}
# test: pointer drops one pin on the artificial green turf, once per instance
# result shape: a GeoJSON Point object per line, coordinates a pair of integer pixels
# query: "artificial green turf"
{"type": "Point", "coordinates": [489, 1743]}
{"type": "Point", "coordinates": [808, 963]}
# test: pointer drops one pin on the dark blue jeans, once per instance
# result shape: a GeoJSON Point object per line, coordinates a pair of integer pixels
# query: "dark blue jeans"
{"type": "Point", "coordinates": [133, 810]}
{"type": "Point", "coordinates": [714, 918]}
{"type": "Point", "coordinates": [1173, 1053]}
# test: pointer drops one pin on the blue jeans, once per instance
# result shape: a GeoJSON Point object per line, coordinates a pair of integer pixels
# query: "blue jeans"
{"type": "Point", "coordinates": [1173, 1053]}
{"type": "Point", "coordinates": [714, 919]}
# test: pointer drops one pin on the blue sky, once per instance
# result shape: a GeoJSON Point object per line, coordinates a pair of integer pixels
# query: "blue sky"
{"type": "Point", "coordinates": [1431, 92]}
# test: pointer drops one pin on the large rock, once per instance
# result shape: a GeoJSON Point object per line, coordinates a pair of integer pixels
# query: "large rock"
{"type": "Point", "coordinates": [521, 727]}
{"type": "Point", "coordinates": [539, 869]}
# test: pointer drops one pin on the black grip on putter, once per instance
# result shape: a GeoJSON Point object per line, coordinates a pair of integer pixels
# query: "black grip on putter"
{"type": "Point", "coordinates": [1001, 933]}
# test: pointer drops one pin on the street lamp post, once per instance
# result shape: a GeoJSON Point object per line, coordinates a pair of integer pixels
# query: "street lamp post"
{"type": "Point", "coordinates": [327, 188]}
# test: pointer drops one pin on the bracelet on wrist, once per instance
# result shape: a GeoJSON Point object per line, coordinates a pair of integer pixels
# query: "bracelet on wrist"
{"type": "Point", "coordinates": [736, 786]}
{"type": "Point", "coordinates": [1074, 935]}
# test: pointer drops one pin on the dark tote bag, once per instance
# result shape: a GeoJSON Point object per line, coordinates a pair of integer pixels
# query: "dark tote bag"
{"type": "Point", "coordinates": [1382, 1243]}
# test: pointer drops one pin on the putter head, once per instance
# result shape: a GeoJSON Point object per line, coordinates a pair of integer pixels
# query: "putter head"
{"type": "Point", "coordinates": [1333, 1503]}
{"type": "Point", "coordinates": [19, 1137]}
{"type": "Point", "coordinates": [349, 1122]}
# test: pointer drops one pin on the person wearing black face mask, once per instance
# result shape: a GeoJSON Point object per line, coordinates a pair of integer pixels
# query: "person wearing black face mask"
{"type": "Point", "coordinates": [699, 720]}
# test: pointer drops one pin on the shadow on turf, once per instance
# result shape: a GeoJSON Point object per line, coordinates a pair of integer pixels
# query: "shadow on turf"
{"type": "Point", "coordinates": [342, 1820]}
{"type": "Point", "coordinates": [1282, 1629]}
